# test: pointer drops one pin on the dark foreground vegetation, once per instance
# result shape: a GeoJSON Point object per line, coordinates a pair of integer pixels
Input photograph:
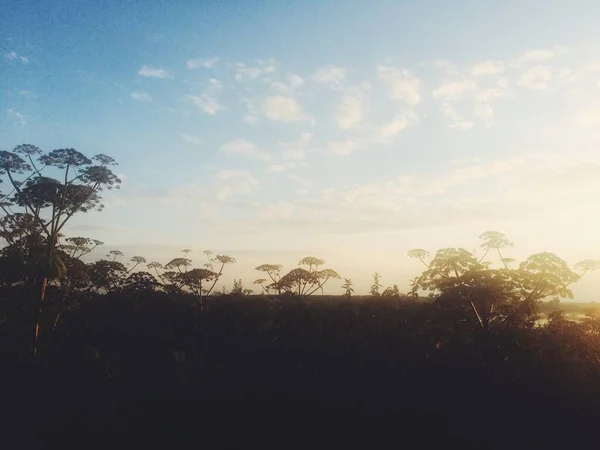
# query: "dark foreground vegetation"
{"type": "Point", "coordinates": [106, 354]}
{"type": "Point", "coordinates": [139, 370]}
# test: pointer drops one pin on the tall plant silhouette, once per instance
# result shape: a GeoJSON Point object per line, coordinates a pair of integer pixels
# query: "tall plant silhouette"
{"type": "Point", "coordinates": [457, 275]}
{"type": "Point", "coordinates": [53, 201]}
{"type": "Point", "coordinates": [303, 282]}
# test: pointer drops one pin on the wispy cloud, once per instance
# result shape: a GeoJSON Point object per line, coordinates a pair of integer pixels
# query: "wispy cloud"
{"type": "Point", "coordinates": [473, 95]}
{"type": "Point", "coordinates": [154, 72]}
{"type": "Point", "coordinates": [141, 96]}
{"type": "Point", "coordinates": [537, 78]}
{"type": "Point", "coordinates": [458, 122]}
{"type": "Point", "coordinates": [536, 56]}
{"type": "Point", "coordinates": [330, 75]}
{"type": "Point", "coordinates": [235, 182]}
{"type": "Point", "coordinates": [27, 94]}
{"type": "Point", "coordinates": [207, 63]}
{"type": "Point", "coordinates": [261, 67]}
{"type": "Point", "coordinates": [446, 66]}
{"type": "Point", "coordinates": [13, 56]}
{"type": "Point", "coordinates": [293, 153]}
{"type": "Point", "coordinates": [241, 147]}
{"type": "Point", "coordinates": [20, 117]}
{"type": "Point", "coordinates": [490, 67]}
{"type": "Point", "coordinates": [190, 139]}
{"type": "Point", "coordinates": [283, 109]}
{"type": "Point", "coordinates": [280, 210]}
{"type": "Point", "coordinates": [401, 84]}
{"type": "Point", "coordinates": [398, 125]}
{"type": "Point", "coordinates": [350, 112]}
{"type": "Point", "coordinates": [454, 90]}
{"type": "Point", "coordinates": [289, 87]}
{"type": "Point", "coordinates": [207, 101]}
{"type": "Point", "coordinates": [342, 148]}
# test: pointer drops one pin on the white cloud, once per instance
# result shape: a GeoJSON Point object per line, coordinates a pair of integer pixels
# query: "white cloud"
{"type": "Point", "coordinates": [207, 103]}
{"type": "Point", "coordinates": [402, 85]}
{"type": "Point", "coordinates": [447, 110]}
{"type": "Point", "coordinates": [292, 154]}
{"type": "Point", "coordinates": [454, 90]}
{"type": "Point", "coordinates": [399, 124]}
{"type": "Point", "coordinates": [488, 68]}
{"type": "Point", "coordinates": [296, 150]}
{"type": "Point", "coordinates": [350, 112]}
{"type": "Point", "coordinates": [190, 139]}
{"type": "Point", "coordinates": [246, 72]}
{"type": "Point", "coordinates": [458, 121]}
{"type": "Point", "coordinates": [207, 63]}
{"type": "Point", "coordinates": [330, 75]}
{"type": "Point", "coordinates": [141, 96]}
{"type": "Point", "coordinates": [342, 148]}
{"type": "Point", "coordinates": [293, 83]}
{"type": "Point", "coordinates": [467, 90]}
{"type": "Point", "coordinates": [207, 100]}
{"type": "Point", "coordinates": [214, 86]}
{"type": "Point", "coordinates": [241, 147]}
{"type": "Point", "coordinates": [283, 109]}
{"type": "Point", "coordinates": [536, 78]}
{"type": "Point", "coordinates": [235, 182]}
{"type": "Point", "coordinates": [154, 72]}
{"type": "Point", "coordinates": [13, 56]}
{"type": "Point", "coordinates": [262, 67]}
{"type": "Point", "coordinates": [537, 55]}
{"type": "Point", "coordinates": [22, 118]}
{"type": "Point", "coordinates": [493, 93]}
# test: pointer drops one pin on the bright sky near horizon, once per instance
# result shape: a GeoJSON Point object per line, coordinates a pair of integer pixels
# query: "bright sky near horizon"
{"type": "Point", "coordinates": [347, 130]}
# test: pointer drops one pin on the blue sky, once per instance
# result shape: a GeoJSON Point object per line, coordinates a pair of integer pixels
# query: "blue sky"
{"type": "Point", "coordinates": [351, 130]}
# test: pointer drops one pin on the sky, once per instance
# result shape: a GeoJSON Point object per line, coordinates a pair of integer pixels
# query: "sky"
{"type": "Point", "coordinates": [348, 130]}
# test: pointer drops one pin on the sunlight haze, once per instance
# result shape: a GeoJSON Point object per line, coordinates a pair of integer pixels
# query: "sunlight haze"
{"type": "Point", "coordinates": [351, 131]}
